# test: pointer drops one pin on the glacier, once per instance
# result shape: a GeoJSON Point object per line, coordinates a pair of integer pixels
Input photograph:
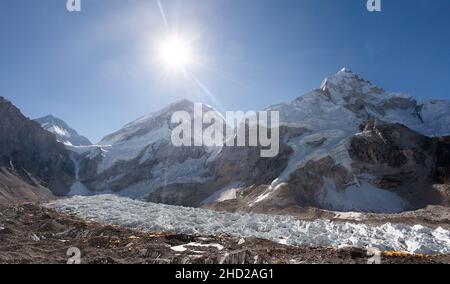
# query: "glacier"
{"type": "Point", "coordinates": [134, 214]}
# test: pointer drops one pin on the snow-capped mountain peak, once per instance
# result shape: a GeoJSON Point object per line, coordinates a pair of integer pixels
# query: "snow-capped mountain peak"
{"type": "Point", "coordinates": [64, 133]}
{"type": "Point", "coordinates": [346, 82]}
{"type": "Point", "coordinates": [140, 157]}
{"type": "Point", "coordinates": [145, 125]}
{"type": "Point", "coordinates": [179, 105]}
{"type": "Point", "coordinates": [345, 98]}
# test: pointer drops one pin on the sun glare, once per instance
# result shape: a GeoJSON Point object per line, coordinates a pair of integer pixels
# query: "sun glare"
{"type": "Point", "coordinates": [175, 53]}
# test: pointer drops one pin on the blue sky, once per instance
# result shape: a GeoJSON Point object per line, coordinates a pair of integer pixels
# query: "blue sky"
{"type": "Point", "coordinates": [95, 69]}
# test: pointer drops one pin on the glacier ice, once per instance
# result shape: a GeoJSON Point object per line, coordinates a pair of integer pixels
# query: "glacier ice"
{"type": "Point", "coordinates": [134, 214]}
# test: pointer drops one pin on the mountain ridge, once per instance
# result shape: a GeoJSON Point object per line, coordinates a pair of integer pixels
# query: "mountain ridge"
{"type": "Point", "coordinates": [64, 133]}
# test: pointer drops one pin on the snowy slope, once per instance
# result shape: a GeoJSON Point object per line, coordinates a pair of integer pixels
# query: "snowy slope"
{"type": "Point", "coordinates": [436, 114]}
{"type": "Point", "coordinates": [133, 214]}
{"type": "Point", "coordinates": [135, 137]}
{"type": "Point", "coordinates": [345, 100]}
{"type": "Point", "coordinates": [140, 158]}
{"type": "Point", "coordinates": [64, 133]}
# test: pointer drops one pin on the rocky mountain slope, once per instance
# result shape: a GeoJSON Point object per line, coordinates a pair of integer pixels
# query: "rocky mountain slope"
{"type": "Point", "coordinates": [64, 133]}
{"type": "Point", "coordinates": [387, 168]}
{"type": "Point", "coordinates": [14, 188]}
{"type": "Point", "coordinates": [31, 160]}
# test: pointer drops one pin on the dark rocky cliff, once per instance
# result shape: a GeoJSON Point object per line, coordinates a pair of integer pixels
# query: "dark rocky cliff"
{"type": "Point", "coordinates": [29, 152]}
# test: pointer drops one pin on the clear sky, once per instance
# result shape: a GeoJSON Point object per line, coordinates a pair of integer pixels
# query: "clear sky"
{"type": "Point", "coordinates": [97, 70]}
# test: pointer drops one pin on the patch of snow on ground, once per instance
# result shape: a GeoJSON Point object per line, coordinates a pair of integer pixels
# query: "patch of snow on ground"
{"type": "Point", "coordinates": [139, 215]}
{"type": "Point", "coordinates": [268, 192]}
{"type": "Point", "coordinates": [226, 193]}
{"type": "Point", "coordinates": [182, 248]}
{"type": "Point", "coordinates": [356, 216]}
{"type": "Point", "coordinates": [365, 197]}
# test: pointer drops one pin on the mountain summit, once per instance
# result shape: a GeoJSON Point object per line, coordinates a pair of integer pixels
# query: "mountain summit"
{"type": "Point", "coordinates": [64, 133]}
{"type": "Point", "coordinates": [139, 159]}
{"type": "Point", "coordinates": [345, 100]}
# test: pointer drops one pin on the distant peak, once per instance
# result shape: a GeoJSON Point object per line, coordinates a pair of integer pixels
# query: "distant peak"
{"type": "Point", "coordinates": [343, 77]}
{"type": "Point", "coordinates": [180, 102]}
{"type": "Point", "coordinates": [52, 119]}
{"type": "Point", "coordinates": [178, 105]}
{"type": "Point", "coordinates": [4, 100]}
{"type": "Point", "coordinates": [183, 104]}
{"type": "Point", "coordinates": [64, 133]}
{"type": "Point", "coordinates": [346, 73]}
{"type": "Point", "coordinates": [47, 117]}
{"type": "Point", "coordinates": [346, 70]}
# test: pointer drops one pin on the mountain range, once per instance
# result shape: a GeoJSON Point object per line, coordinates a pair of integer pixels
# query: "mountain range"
{"type": "Point", "coordinates": [346, 146]}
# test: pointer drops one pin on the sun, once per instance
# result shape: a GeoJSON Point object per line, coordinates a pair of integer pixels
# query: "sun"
{"type": "Point", "coordinates": [175, 53]}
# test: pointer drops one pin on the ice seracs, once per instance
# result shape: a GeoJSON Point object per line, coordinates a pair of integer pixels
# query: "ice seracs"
{"type": "Point", "coordinates": [286, 229]}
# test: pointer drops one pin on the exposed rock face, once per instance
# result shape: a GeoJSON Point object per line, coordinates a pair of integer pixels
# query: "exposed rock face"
{"type": "Point", "coordinates": [442, 174]}
{"type": "Point", "coordinates": [64, 133]}
{"type": "Point", "coordinates": [32, 154]}
{"type": "Point", "coordinates": [230, 167]}
{"type": "Point", "coordinates": [441, 177]}
{"type": "Point", "coordinates": [389, 157]}
{"type": "Point", "coordinates": [227, 168]}
{"type": "Point", "coordinates": [396, 154]}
